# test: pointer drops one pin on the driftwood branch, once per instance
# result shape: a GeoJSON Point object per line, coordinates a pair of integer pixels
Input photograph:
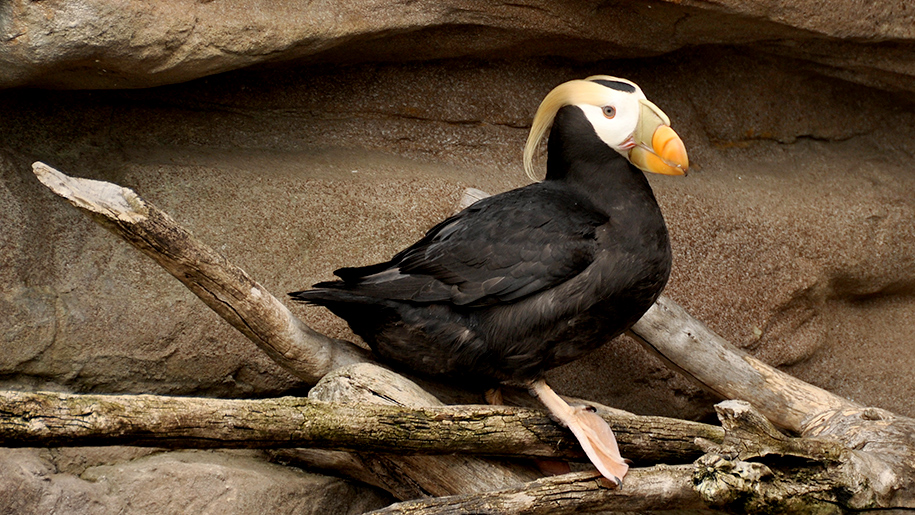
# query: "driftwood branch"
{"type": "Point", "coordinates": [248, 307]}
{"type": "Point", "coordinates": [408, 476]}
{"type": "Point", "coordinates": [47, 419]}
{"type": "Point", "coordinates": [661, 487]}
{"type": "Point", "coordinates": [850, 457]}
{"type": "Point", "coordinates": [876, 466]}
{"type": "Point", "coordinates": [755, 470]}
{"type": "Point", "coordinates": [222, 286]}
{"type": "Point", "coordinates": [695, 350]}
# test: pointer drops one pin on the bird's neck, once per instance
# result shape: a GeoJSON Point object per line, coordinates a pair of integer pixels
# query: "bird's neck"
{"type": "Point", "coordinates": [578, 157]}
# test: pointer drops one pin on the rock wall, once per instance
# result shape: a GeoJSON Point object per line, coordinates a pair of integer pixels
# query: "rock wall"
{"type": "Point", "coordinates": [346, 129]}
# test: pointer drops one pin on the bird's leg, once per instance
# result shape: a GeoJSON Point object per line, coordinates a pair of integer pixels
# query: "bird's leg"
{"type": "Point", "coordinates": [592, 432]}
{"type": "Point", "coordinates": [494, 396]}
{"type": "Point", "coordinates": [548, 467]}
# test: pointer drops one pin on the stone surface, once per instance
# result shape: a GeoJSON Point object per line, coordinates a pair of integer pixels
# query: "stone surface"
{"type": "Point", "coordinates": [126, 44]}
{"type": "Point", "coordinates": [39, 482]}
{"type": "Point", "coordinates": [792, 228]}
{"type": "Point", "coordinates": [793, 234]}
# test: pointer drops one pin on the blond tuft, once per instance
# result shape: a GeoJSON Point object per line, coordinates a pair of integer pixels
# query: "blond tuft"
{"type": "Point", "coordinates": [568, 93]}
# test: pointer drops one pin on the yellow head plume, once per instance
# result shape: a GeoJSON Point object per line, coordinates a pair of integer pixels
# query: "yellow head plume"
{"type": "Point", "coordinates": [652, 146]}
{"type": "Point", "coordinates": [568, 93]}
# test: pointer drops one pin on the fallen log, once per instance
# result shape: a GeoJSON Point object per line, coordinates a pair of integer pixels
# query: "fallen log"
{"type": "Point", "coordinates": [662, 487]}
{"type": "Point", "coordinates": [52, 419]}
{"type": "Point", "coordinates": [755, 470]}
{"type": "Point", "coordinates": [225, 288]}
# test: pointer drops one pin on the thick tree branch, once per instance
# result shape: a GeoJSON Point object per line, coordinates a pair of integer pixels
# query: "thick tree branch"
{"type": "Point", "coordinates": [755, 470]}
{"type": "Point", "coordinates": [258, 315]}
{"type": "Point", "coordinates": [43, 419]}
{"type": "Point", "coordinates": [224, 287]}
{"type": "Point", "coordinates": [694, 349]}
{"type": "Point", "coordinates": [655, 488]}
{"type": "Point", "coordinates": [883, 476]}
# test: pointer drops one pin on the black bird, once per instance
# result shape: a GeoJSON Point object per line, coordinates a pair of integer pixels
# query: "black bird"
{"type": "Point", "coordinates": [530, 279]}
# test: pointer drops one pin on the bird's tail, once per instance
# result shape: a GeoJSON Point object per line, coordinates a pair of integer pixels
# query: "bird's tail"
{"type": "Point", "coordinates": [355, 308]}
{"type": "Point", "coordinates": [319, 296]}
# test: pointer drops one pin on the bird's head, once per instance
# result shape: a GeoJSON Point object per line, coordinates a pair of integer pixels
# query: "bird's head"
{"type": "Point", "coordinates": [622, 118]}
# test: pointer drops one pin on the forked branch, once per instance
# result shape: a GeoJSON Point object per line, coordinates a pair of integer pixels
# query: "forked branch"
{"type": "Point", "coordinates": [222, 286]}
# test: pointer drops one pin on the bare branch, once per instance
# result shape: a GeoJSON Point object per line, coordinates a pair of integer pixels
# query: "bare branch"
{"type": "Point", "coordinates": [409, 476]}
{"type": "Point", "coordinates": [655, 488]}
{"type": "Point", "coordinates": [861, 459]}
{"type": "Point", "coordinates": [224, 287]}
{"type": "Point", "coordinates": [42, 419]}
{"type": "Point", "coordinates": [755, 470]}
{"type": "Point", "coordinates": [694, 349]}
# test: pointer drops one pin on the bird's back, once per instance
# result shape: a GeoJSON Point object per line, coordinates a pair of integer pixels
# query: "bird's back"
{"type": "Point", "coordinates": [513, 285]}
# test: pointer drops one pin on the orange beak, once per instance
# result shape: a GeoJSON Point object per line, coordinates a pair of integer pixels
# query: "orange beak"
{"type": "Point", "coordinates": [657, 148]}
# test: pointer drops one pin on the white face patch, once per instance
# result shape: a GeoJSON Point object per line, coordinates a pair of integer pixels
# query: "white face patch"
{"type": "Point", "coordinates": [613, 106]}
{"type": "Point", "coordinates": [617, 131]}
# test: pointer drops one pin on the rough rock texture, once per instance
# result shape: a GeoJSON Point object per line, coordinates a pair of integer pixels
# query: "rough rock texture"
{"type": "Point", "coordinates": [130, 43]}
{"type": "Point", "coordinates": [794, 235]}
{"type": "Point", "coordinates": [39, 482]}
{"type": "Point", "coordinates": [777, 232]}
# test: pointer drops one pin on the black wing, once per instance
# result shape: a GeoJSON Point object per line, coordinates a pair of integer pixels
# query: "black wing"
{"type": "Point", "coordinates": [499, 249]}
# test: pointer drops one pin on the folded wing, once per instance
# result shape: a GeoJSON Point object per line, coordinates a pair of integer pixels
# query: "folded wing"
{"type": "Point", "coordinates": [498, 250]}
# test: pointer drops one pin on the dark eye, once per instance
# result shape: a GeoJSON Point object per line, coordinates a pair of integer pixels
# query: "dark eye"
{"type": "Point", "coordinates": [609, 111]}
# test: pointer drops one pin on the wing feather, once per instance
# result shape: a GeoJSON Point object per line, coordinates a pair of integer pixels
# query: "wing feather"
{"type": "Point", "coordinates": [498, 250]}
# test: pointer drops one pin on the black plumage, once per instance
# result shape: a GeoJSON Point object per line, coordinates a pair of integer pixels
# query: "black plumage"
{"type": "Point", "coordinates": [519, 282]}
{"type": "Point", "coordinates": [536, 277]}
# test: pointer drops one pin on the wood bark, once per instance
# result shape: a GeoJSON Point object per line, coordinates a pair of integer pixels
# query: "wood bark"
{"type": "Point", "coordinates": [222, 286]}
{"type": "Point", "coordinates": [691, 347]}
{"type": "Point", "coordinates": [405, 475]}
{"type": "Point", "coordinates": [47, 419]}
{"type": "Point", "coordinates": [787, 475]}
{"type": "Point", "coordinates": [251, 309]}
{"type": "Point", "coordinates": [849, 457]}
{"type": "Point", "coordinates": [662, 487]}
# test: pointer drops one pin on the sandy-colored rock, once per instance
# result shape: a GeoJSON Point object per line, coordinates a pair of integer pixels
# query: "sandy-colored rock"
{"type": "Point", "coordinates": [213, 482]}
{"type": "Point", "coordinates": [173, 483]}
{"type": "Point", "coordinates": [794, 222]}
{"type": "Point", "coordinates": [126, 44]}
{"type": "Point", "coordinates": [793, 235]}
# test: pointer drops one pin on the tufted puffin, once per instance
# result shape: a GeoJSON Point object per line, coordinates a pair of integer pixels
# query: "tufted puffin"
{"type": "Point", "coordinates": [530, 279]}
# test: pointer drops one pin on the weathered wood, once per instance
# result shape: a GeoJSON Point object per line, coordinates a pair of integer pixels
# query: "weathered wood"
{"type": "Point", "coordinates": [759, 470]}
{"type": "Point", "coordinates": [655, 488]}
{"type": "Point", "coordinates": [42, 419]}
{"type": "Point", "coordinates": [409, 476]}
{"type": "Point", "coordinates": [877, 465]}
{"type": "Point", "coordinates": [691, 347]}
{"type": "Point", "coordinates": [756, 469]}
{"type": "Point", "coordinates": [263, 319]}
{"type": "Point", "coordinates": [222, 286]}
